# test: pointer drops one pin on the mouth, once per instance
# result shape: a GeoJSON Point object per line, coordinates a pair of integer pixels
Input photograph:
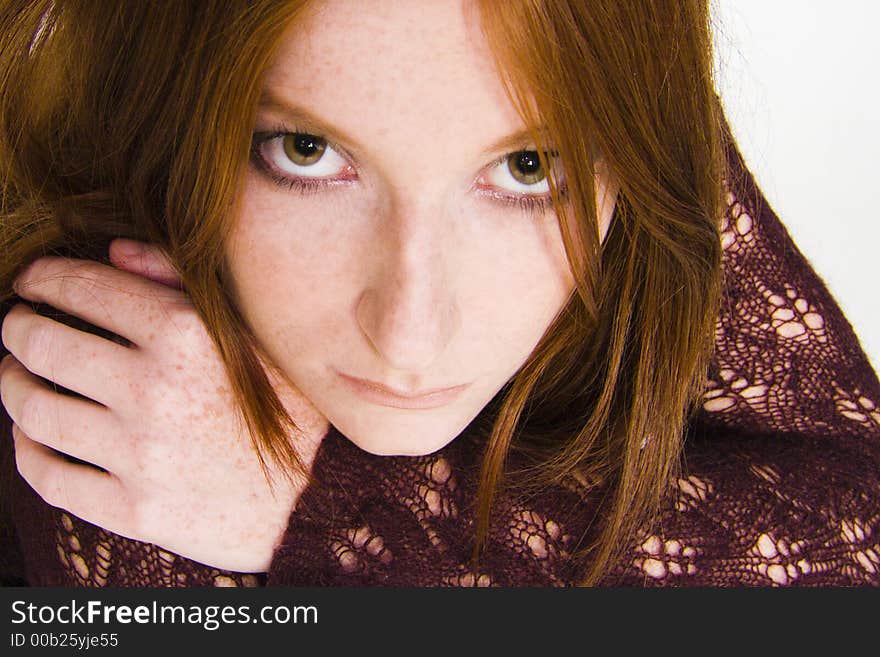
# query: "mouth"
{"type": "Point", "coordinates": [382, 395]}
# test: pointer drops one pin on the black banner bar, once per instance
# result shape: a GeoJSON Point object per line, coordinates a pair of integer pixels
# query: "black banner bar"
{"type": "Point", "coordinates": [132, 621]}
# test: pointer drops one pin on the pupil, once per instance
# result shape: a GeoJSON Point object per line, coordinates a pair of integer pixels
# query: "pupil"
{"type": "Point", "coordinates": [528, 162]}
{"type": "Point", "coordinates": [305, 144]}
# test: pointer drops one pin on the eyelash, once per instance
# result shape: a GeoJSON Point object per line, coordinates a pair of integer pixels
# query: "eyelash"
{"type": "Point", "coordinates": [531, 204]}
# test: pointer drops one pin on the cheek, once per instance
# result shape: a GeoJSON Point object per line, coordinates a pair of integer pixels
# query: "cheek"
{"type": "Point", "coordinates": [290, 262]}
{"type": "Point", "coordinates": [529, 269]}
{"type": "Point", "coordinates": [518, 281]}
{"type": "Point", "coordinates": [300, 264]}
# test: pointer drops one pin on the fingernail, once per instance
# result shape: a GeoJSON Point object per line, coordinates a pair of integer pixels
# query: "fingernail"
{"type": "Point", "coordinates": [22, 277]}
{"type": "Point", "coordinates": [16, 284]}
{"type": "Point", "coordinates": [128, 248]}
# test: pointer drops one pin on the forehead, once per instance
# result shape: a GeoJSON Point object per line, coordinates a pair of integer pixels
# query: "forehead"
{"type": "Point", "coordinates": [392, 70]}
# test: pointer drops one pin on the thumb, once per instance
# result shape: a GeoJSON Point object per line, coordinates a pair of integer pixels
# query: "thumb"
{"type": "Point", "coordinates": [144, 260]}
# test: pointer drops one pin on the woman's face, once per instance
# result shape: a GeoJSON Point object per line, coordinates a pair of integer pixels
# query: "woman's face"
{"type": "Point", "coordinates": [406, 243]}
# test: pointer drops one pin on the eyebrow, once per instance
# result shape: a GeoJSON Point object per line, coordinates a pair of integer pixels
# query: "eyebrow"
{"type": "Point", "coordinates": [305, 120]}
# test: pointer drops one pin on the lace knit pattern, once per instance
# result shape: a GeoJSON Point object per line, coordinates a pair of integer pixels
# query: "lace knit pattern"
{"type": "Point", "coordinates": [782, 484]}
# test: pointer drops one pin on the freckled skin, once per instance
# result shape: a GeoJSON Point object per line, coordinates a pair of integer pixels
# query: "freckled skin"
{"type": "Point", "coordinates": [406, 276]}
{"type": "Point", "coordinates": [176, 466]}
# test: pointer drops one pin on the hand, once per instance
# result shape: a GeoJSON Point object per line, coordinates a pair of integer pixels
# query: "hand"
{"type": "Point", "coordinates": [158, 417]}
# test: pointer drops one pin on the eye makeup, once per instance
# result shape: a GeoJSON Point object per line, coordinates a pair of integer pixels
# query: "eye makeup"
{"type": "Point", "coordinates": [535, 205]}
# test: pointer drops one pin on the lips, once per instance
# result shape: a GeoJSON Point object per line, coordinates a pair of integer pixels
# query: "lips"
{"type": "Point", "coordinates": [382, 395]}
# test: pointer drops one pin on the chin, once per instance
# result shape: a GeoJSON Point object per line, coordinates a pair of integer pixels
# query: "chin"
{"type": "Point", "coordinates": [401, 438]}
{"type": "Point", "coordinates": [388, 446]}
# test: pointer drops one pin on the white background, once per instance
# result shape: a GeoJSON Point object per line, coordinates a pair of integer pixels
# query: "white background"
{"type": "Point", "coordinates": [799, 81]}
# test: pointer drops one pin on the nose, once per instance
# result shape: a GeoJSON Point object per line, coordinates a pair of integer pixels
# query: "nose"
{"type": "Point", "coordinates": [408, 310]}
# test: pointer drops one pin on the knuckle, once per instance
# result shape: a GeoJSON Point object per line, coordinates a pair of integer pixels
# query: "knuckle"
{"type": "Point", "coordinates": [30, 415]}
{"type": "Point", "coordinates": [54, 278]}
{"type": "Point", "coordinates": [37, 344]}
{"type": "Point", "coordinates": [187, 326]}
{"type": "Point", "coordinates": [183, 316]}
{"type": "Point", "coordinates": [164, 318]}
{"type": "Point", "coordinates": [77, 284]}
{"type": "Point", "coordinates": [44, 270]}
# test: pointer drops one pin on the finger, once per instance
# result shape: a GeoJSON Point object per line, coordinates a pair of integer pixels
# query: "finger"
{"type": "Point", "coordinates": [76, 427]}
{"type": "Point", "coordinates": [128, 305]}
{"type": "Point", "coordinates": [144, 260]}
{"type": "Point", "coordinates": [82, 362]}
{"type": "Point", "coordinates": [96, 497]}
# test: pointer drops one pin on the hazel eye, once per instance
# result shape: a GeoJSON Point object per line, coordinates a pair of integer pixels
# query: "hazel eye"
{"type": "Point", "coordinates": [303, 149]}
{"type": "Point", "coordinates": [520, 172]}
{"type": "Point", "coordinates": [302, 155]}
{"type": "Point", "coordinates": [525, 167]}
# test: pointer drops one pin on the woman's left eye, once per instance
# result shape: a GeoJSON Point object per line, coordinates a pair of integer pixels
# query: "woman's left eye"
{"type": "Point", "coordinates": [520, 172]}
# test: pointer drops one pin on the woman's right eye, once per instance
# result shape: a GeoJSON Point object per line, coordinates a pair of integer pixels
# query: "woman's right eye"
{"type": "Point", "coordinates": [299, 159]}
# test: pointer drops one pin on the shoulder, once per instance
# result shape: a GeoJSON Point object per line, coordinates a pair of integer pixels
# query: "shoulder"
{"type": "Point", "coordinates": [767, 509]}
